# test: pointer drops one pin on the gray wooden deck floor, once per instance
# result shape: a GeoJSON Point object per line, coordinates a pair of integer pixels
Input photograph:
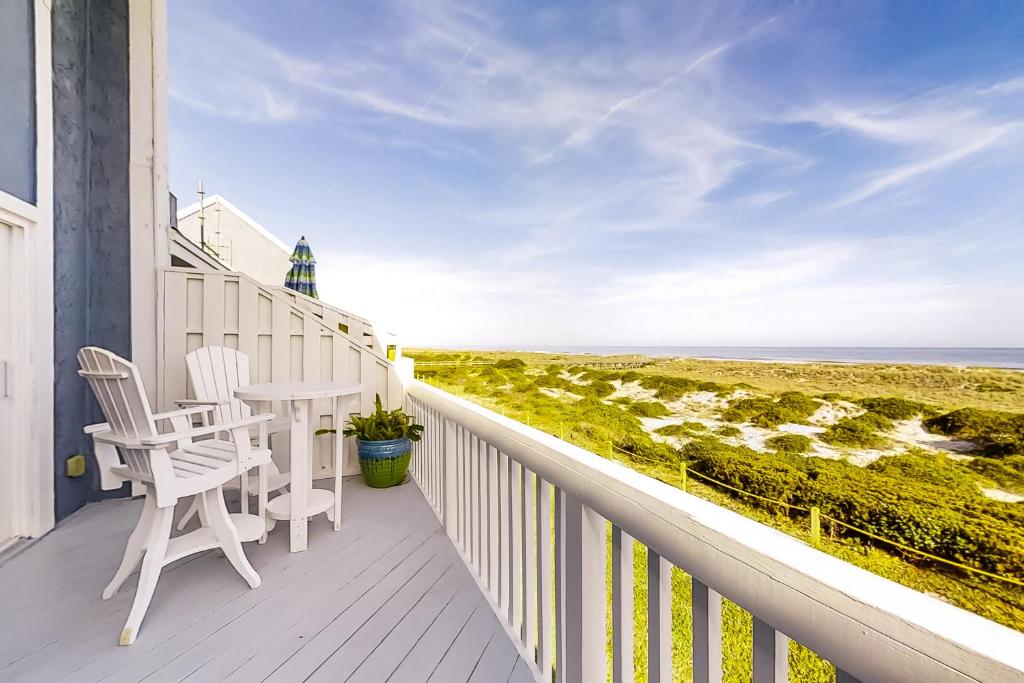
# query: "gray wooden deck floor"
{"type": "Point", "coordinates": [385, 599]}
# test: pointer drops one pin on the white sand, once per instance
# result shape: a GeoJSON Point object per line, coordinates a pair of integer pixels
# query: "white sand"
{"type": "Point", "coordinates": [821, 450]}
{"type": "Point", "coordinates": [575, 379]}
{"type": "Point", "coordinates": [702, 406]}
{"type": "Point", "coordinates": [652, 424]}
{"type": "Point", "coordinates": [560, 394]}
{"type": "Point", "coordinates": [632, 391]}
{"type": "Point", "coordinates": [831, 412]}
{"type": "Point", "coordinates": [1002, 496]}
{"type": "Point", "coordinates": [912, 433]}
{"type": "Point", "coordinates": [754, 437]}
{"type": "Point", "coordinates": [863, 458]}
{"type": "Point", "coordinates": [705, 406]}
{"type": "Point", "coordinates": [806, 430]}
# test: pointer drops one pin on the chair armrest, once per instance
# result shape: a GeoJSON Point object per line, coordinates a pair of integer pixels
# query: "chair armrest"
{"type": "Point", "coordinates": [278, 426]}
{"type": "Point", "coordinates": [99, 427]}
{"type": "Point", "coordinates": [161, 440]}
{"type": "Point", "coordinates": [188, 402]}
{"type": "Point", "coordinates": [185, 412]}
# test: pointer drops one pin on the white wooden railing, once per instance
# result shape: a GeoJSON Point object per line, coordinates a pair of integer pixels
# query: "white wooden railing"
{"type": "Point", "coordinates": [530, 514]}
{"type": "Point", "coordinates": [284, 339]}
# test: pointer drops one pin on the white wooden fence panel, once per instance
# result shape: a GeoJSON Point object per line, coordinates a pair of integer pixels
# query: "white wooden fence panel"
{"type": "Point", "coordinates": [285, 337]}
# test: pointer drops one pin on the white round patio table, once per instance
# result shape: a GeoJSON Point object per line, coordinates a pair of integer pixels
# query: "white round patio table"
{"type": "Point", "coordinates": [303, 501]}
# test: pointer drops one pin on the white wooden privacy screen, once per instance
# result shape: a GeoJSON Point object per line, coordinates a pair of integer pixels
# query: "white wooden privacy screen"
{"type": "Point", "coordinates": [496, 485]}
{"type": "Point", "coordinates": [287, 337]}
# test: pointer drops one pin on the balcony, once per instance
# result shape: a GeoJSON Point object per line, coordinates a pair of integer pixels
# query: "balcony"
{"type": "Point", "coordinates": [387, 597]}
{"type": "Point", "coordinates": [510, 556]}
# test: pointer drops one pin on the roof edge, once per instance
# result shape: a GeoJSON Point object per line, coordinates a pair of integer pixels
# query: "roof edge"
{"type": "Point", "coordinates": [252, 222]}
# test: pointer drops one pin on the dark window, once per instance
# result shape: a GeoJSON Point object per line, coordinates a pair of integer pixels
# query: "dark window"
{"type": "Point", "coordinates": [17, 100]}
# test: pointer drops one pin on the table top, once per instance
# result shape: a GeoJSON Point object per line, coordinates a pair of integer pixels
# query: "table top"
{"type": "Point", "coordinates": [295, 391]}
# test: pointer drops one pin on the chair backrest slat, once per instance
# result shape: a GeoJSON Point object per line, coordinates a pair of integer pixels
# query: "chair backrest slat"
{"type": "Point", "coordinates": [118, 388]}
{"type": "Point", "coordinates": [216, 371]}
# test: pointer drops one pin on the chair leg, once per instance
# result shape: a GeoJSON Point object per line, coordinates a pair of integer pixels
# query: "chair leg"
{"type": "Point", "coordinates": [261, 505]}
{"type": "Point", "coordinates": [227, 535]}
{"type": "Point", "coordinates": [243, 489]}
{"type": "Point", "coordinates": [156, 551]}
{"type": "Point", "coordinates": [135, 547]}
{"type": "Point", "coordinates": [189, 514]}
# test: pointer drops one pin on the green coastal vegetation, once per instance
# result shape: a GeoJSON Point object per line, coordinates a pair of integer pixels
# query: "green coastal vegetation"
{"type": "Point", "coordinates": [930, 458]}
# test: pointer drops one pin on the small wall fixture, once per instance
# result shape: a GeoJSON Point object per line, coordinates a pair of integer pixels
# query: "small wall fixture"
{"type": "Point", "coordinates": [74, 466]}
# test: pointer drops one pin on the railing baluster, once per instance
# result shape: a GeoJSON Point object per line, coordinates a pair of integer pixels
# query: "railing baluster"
{"type": "Point", "coordinates": [493, 523]}
{"type": "Point", "coordinates": [467, 510]}
{"type": "Point", "coordinates": [517, 547]}
{"type": "Point", "coordinates": [460, 466]}
{"type": "Point", "coordinates": [449, 465]}
{"type": "Point", "coordinates": [559, 552]}
{"type": "Point", "coordinates": [707, 634]}
{"type": "Point", "coordinates": [771, 654]}
{"type": "Point", "coordinates": [503, 533]}
{"type": "Point", "coordinates": [428, 483]}
{"type": "Point", "coordinates": [425, 470]}
{"type": "Point", "coordinates": [843, 677]}
{"type": "Point", "coordinates": [622, 606]}
{"type": "Point", "coordinates": [439, 462]}
{"type": "Point", "coordinates": [435, 461]}
{"type": "Point", "coordinates": [474, 492]}
{"type": "Point", "coordinates": [483, 505]}
{"type": "Point", "coordinates": [543, 497]}
{"type": "Point", "coordinates": [529, 630]}
{"type": "Point", "coordinates": [659, 619]}
{"type": "Point", "coordinates": [510, 542]}
{"type": "Point", "coordinates": [583, 592]}
{"type": "Point", "coordinates": [485, 514]}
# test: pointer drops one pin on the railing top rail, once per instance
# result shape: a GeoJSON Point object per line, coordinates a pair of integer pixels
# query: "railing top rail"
{"type": "Point", "coordinates": [320, 302]}
{"type": "Point", "coordinates": [871, 627]}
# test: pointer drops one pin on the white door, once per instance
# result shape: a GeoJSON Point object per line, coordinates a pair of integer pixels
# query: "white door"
{"type": "Point", "coordinates": [26, 272]}
{"type": "Point", "coordinates": [11, 404]}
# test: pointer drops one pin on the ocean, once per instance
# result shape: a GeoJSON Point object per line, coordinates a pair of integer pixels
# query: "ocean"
{"type": "Point", "coordinates": [1009, 358]}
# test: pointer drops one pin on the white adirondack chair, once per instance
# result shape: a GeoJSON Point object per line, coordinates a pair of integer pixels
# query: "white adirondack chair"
{"type": "Point", "coordinates": [170, 466]}
{"type": "Point", "coordinates": [215, 372]}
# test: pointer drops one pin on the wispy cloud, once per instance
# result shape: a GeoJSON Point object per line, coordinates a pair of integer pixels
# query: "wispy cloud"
{"type": "Point", "coordinates": [938, 130]}
{"type": "Point", "coordinates": [900, 175]}
{"type": "Point", "coordinates": [691, 165]}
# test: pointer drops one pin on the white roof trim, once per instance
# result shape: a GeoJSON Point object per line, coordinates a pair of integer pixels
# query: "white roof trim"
{"type": "Point", "coordinates": [214, 199]}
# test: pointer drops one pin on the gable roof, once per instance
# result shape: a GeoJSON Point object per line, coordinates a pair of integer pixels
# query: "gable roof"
{"type": "Point", "coordinates": [215, 199]}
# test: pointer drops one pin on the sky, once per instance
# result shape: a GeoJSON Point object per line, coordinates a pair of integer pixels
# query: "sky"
{"type": "Point", "coordinates": [643, 174]}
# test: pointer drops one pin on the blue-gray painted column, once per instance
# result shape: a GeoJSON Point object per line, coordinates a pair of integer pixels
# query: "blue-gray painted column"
{"type": "Point", "coordinates": [92, 274]}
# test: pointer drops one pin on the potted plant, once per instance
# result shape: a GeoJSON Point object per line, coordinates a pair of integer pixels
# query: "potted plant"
{"type": "Point", "coordinates": [384, 440]}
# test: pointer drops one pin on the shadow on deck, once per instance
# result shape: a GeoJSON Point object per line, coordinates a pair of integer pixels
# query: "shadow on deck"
{"type": "Point", "coordinates": [385, 598]}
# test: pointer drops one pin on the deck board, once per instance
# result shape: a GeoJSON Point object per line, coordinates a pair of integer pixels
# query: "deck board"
{"type": "Point", "coordinates": [385, 598]}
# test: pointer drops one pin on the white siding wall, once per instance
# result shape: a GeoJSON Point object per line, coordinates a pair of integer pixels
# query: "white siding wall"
{"type": "Point", "coordinates": [242, 244]}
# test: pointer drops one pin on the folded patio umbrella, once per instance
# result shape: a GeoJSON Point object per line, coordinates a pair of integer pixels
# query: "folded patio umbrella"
{"type": "Point", "coordinates": [302, 276]}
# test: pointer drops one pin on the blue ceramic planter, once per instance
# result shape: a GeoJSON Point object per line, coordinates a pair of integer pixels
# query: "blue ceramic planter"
{"type": "Point", "coordinates": [384, 463]}
{"type": "Point", "coordinates": [383, 450]}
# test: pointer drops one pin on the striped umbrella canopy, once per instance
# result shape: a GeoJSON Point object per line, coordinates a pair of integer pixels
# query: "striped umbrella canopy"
{"type": "Point", "coordinates": [302, 276]}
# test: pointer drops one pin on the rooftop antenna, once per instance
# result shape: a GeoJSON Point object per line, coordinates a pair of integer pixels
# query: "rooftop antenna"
{"type": "Point", "coordinates": [202, 215]}
{"type": "Point", "coordinates": [219, 250]}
